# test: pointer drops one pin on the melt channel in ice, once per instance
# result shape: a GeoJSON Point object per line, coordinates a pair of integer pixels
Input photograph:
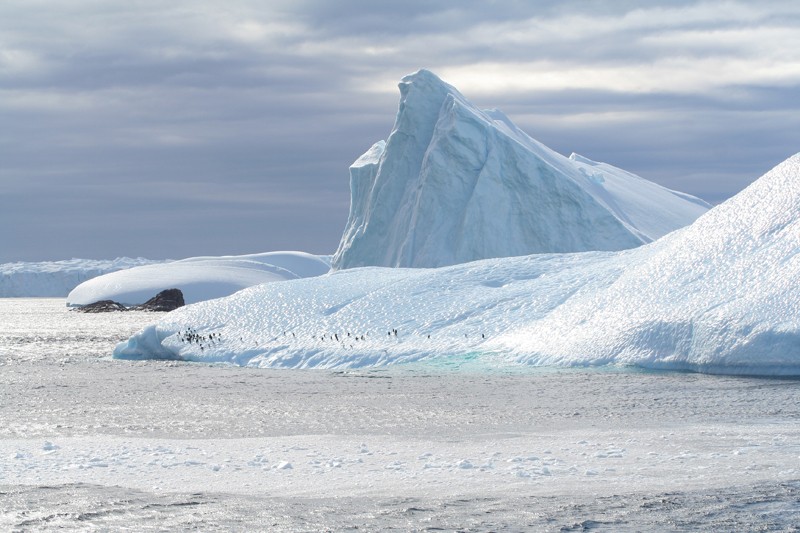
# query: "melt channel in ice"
{"type": "Point", "coordinates": [717, 296]}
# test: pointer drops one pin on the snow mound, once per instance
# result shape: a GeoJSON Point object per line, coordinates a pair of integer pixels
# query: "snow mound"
{"type": "Point", "coordinates": [454, 184]}
{"type": "Point", "coordinates": [718, 296]}
{"type": "Point", "coordinates": [199, 278]}
{"type": "Point", "coordinates": [53, 279]}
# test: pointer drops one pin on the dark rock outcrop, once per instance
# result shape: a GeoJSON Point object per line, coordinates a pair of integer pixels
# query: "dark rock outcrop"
{"type": "Point", "coordinates": [103, 306]}
{"type": "Point", "coordinates": [163, 301]}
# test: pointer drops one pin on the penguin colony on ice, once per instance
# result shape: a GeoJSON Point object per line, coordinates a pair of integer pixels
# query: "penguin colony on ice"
{"type": "Point", "coordinates": [346, 340]}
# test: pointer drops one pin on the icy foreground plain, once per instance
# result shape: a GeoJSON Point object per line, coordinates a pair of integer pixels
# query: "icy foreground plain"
{"type": "Point", "coordinates": [87, 443]}
{"type": "Point", "coordinates": [199, 278]}
{"type": "Point", "coordinates": [454, 183]}
{"type": "Point", "coordinates": [718, 296]}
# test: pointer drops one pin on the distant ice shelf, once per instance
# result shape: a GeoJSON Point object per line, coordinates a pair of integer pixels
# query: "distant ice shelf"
{"type": "Point", "coordinates": [56, 278]}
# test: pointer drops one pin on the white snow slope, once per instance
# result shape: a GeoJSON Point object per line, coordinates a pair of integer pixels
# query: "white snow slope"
{"type": "Point", "coordinates": [718, 296]}
{"type": "Point", "coordinates": [454, 184]}
{"type": "Point", "coordinates": [57, 278]}
{"type": "Point", "coordinates": [199, 278]}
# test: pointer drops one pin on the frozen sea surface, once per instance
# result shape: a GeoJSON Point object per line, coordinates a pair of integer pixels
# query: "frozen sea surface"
{"type": "Point", "coordinates": [87, 442]}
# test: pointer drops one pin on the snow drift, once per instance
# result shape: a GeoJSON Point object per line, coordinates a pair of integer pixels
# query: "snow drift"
{"type": "Point", "coordinates": [199, 278]}
{"type": "Point", "coordinates": [454, 184]}
{"type": "Point", "coordinates": [718, 296]}
{"type": "Point", "coordinates": [56, 278]}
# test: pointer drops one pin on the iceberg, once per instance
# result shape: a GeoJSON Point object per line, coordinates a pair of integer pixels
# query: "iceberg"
{"type": "Point", "coordinates": [454, 184]}
{"type": "Point", "coordinates": [198, 278]}
{"type": "Point", "coordinates": [54, 279]}
{"type": "Point", "coordinates": [718, 296]}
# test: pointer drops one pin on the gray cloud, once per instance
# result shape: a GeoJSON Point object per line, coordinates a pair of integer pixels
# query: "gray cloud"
{"type": "Point", "coordinates": [187, 128]}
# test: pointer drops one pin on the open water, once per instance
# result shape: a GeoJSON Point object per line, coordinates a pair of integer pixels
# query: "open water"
{"type": "Point", "coordinates": [90, 443]}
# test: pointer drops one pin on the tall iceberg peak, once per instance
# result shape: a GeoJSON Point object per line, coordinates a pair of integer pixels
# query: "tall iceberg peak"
{"type": "Point", "coordinates": [453, 184]}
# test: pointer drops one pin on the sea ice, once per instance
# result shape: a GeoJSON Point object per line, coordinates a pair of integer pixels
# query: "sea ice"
{"type": "Point", "coordinates": [94, 443]}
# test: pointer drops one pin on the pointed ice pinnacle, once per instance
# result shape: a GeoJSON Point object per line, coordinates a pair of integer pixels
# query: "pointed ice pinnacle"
{"type": "Point", "coordinates": [454, 184]}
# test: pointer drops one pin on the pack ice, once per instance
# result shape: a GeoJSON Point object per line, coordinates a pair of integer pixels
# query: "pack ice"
{"type": "Point", "coordinates": [199, 278]}
{"type": "Point", "coordinates": [718, 296]}
{"type": "Point", "coordinates": [454, 184]}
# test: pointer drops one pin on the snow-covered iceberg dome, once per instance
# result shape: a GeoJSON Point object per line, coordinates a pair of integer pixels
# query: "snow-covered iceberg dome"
{"type": "Point", "coordinates": [718, 296]}
{"type": "Point", "coordinates": [198, 278]}
{"type": "Point", "coordinates": [454, 184]}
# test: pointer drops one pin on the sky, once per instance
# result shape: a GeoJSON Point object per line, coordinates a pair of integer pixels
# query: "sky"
{"type": "Point", "coordinates": [156, 129]}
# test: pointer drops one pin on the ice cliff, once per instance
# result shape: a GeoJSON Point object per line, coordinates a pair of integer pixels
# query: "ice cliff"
{"type": "Point", "coordinates": [454, 184]}
{"type": "Point", "coordinates": [717, 296]}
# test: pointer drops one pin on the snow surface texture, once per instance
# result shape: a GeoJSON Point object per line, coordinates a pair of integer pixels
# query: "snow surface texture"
{"type": "Point", "coordinates": [456, 184]}
{"type": "Point", "coordinates": [57, 278]}
{"type": "Point", "coordinates": [89, 444]}
{"type": "Point", "coordinates": [718, 296]}
{"type": "Point", "coordinates": [199, 278]}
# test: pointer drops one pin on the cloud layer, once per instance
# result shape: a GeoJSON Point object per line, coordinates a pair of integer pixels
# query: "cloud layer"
{"type": "Point", "coordinates": [131, 128]}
